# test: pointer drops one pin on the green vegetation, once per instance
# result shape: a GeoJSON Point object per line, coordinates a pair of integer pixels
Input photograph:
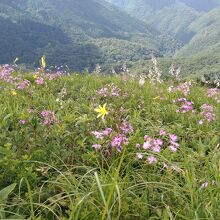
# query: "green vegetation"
{"type": "Point", "coordinates": [194, 67]}
{"type": "Point", "coordinates": [76, 33]}
{"type": "Point", "coordinates": [82, 34]}
{"type": "Point", "coordinates": [195, 24]}
{"type": "Point", "coordinates": [138, 142]}
{"type": "Point", "coordinates": [168, 16]}
{"type": "Point", "coordinates": [206, 35]}
{"type": "Point", "coordinates": [51, 166]}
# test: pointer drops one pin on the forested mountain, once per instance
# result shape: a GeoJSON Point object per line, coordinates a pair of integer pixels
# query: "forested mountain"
{"type": "Point", "coordinates": [83, 33]}
{"type": "Point", "coordinates": [77, 33]}
{"type": "Point", "coordinates": [206, 38]}
{"type": "Point", "coordinates": [168, 16]}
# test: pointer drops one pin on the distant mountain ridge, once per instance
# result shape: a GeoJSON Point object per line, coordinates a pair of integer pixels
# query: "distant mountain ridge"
{"type": "Point", "coordinates": [206, 39]}
{"type": "Point", "coordinates": [172, 17]}
{"type": "Point", "coordinates": [86, 32]}
{"type": "Point", "coordinates": [198, 5]}
{"type": "Point", "coordinates": [83, 33]}
{"type": "Point", "coordinates": [195, 22]}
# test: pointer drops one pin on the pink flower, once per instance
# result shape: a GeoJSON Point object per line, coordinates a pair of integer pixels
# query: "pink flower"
{"type": "Point", "coordinates": [175, 144]}
{"type": "Point", "coordinates": [146, 145]}
{"type": "Point", "coordinates": [213, 92]}
{"type": "Point", "coordinates": [118, 141]}
{"type": "Point", "coordinates": [183, 87]}
{"type": "Point", "coordinates": [101, 135]}
{"type": "Point", "coordinates": [137, 145]}
{"type": "Point", "coordinates": [48, 117]}
{"type": "Point", "coordinates": [162, 132]}
{"type": "Point", "coordinates": [31, 110]}
{"type": "Point", "coordinates": [139, 156]}
{"type": "Point", "coordinates": [126, 128]}
{"type": "Point", "coordinates": [23, 84]}
{"type": "Point", "coordinates": [109, 90]}
{"type": "Point", "coordinates": [182, 99]}
{"type": "Point", "coordinates": [39, 81]}
{"type": "Point", "coordinates": [52, 76]}
{"type": "Point", "coordinates": [173, 137]}
{"type": "Point", "coordinates": [98, 135]}
{"type": "Point", "coordinates": [204, 185]}
{"type": "Point", "coordinates": [173, 148]}
{"type": "Point", "coordinates": [158, 142]}
{"type": "Point", "coordinates": [207, 108]}
{"type": "Point", "coordinates": [207, 111]}
{"type": "Point", "coordinates": [146, 137]}
{"type": "Point", "coordinates": [154, 145]}
{"type": "Point", "coordinates": [186, 106]}
{"type": "Point", "coordinates": [152, 160]}
{"type": "Point", "coordinates": [96, 146]}
{"type": "Point", "coordinates": [22, 121]}
{"type": "Point", "coordinates": [107, 131]}
{"type": "Point", "coordinates": [156, 149]}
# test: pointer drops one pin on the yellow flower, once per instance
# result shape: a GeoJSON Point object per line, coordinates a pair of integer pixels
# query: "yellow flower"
{"type": "Point", "coordinates": [13, 92]}
{"type": "Point", "coordinates": [43, 62]}
{"type": "Point", "coordinates": [35, 76]}
{"type": "Point", "coordinates": [24, 116]}
{"type": "Point", "coordinates": [102, 111]}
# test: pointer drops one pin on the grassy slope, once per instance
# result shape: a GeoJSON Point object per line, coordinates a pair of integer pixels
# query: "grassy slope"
{"type": "Point", "coordinates": [193, 67]}
{"type": "Point", "coordinates": [69, 180]}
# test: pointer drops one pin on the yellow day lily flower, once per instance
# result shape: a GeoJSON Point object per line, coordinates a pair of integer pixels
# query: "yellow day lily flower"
{"type": "Point", "coordinates": [35, 76]}
{"type": "Point", "coordinates": [102, 111]}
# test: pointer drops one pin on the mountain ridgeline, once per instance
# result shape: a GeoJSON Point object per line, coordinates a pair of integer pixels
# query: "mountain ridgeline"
{"type": "Point", "coordinates": [172, 17]}
{"type": "Point", "coordinates": [83, 33]}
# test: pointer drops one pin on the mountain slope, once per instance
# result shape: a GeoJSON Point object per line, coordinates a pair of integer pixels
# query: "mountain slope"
{"type": "Point", "coordinates": [174, 20]}
{"type": "Point", "coordinates": [76, 33]}
{"type": "Point", "coordinates": [206, 38]}
{"type": "Point", "coordinates": [202, 5]}
{"type": "Point", "coordinates": [168, 16]}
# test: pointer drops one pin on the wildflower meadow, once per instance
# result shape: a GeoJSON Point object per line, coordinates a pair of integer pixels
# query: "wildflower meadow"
{"type": "Point", "coordinates": [114, 147]}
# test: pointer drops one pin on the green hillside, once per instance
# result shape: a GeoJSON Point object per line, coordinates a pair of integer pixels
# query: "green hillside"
{"type": "Point", "coordinates": [169, 16]}
{"type": "Point", "coordinates": [75, 33]}
{"type": "Point", "coordinates": [83, 33]}
{"type": "Point", "coordinates": [193, 22]}
{"type": "Point", "coordinates": [206, 38]}
{"type": "Point", "coordinates": [194, 67]}
{"type": "Point", "coordinates": [174, 20]}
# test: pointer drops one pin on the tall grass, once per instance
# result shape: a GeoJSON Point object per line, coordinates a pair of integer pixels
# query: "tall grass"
{"type": "Point", "coordinates": [59, 174]}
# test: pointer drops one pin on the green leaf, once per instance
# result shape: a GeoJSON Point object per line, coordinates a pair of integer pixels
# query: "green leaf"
{"type": "Point", "coordinates": [6, 191]}
{"type": "Point", "coordinates": [3, 151]}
